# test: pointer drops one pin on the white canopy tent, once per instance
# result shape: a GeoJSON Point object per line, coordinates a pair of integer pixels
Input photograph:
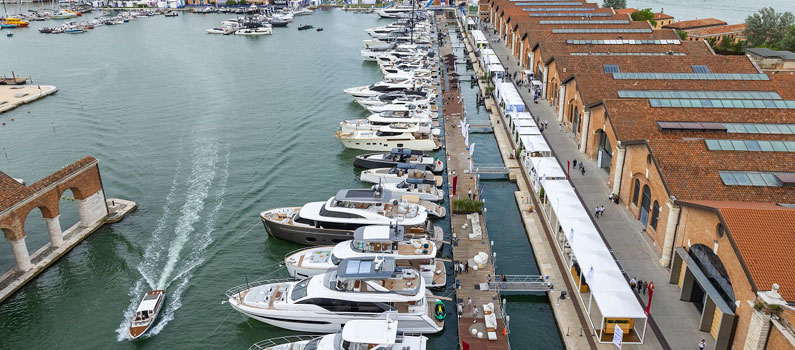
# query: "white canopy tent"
{"type": "Point", "coordinates": [579, 241]}
{"type": "Point", "coordinates": [480, 40]}
{"type": "Point", "coordinates": [540, 168]}
{"type": "Point", "coordinates": [498, 70]}
{"type": "Point", "coordinates": [535, 144]}
{"type": "Point", "coordinates": [509, 98]}
{"type": "Point", "coordinates": [520, 123]}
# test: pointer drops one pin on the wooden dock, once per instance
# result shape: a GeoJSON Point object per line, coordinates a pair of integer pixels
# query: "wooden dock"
{"type": "Point", "coordinates": [464, 248]}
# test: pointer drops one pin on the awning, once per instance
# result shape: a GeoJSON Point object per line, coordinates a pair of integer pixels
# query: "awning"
{"type": "Point", "coordinates": [534, 143]}
{"type": "Point", "coordinates": [547, 167]}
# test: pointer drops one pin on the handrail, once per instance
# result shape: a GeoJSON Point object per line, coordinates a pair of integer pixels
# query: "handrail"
{"type": "Point", "coordinates": [271, 342]}
{"type": "Point", "coordinates": [231, 292]}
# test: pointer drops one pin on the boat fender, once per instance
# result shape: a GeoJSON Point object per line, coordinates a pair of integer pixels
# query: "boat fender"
{"type": "Point", "coordinates": [439, 311]}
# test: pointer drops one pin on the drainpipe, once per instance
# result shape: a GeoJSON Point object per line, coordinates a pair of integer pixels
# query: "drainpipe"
{"type": "Point", "coordinates": [620, 152]}
{"type": "Point", "coordinates": [670, 233]}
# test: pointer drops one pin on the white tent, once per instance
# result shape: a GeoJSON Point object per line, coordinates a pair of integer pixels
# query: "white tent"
{"type": "Point", "coordinates": [480, 40]}
{"type": "Point", "coordinates": [510, 99]}
{"type": "Point", "coordinates": [535, 143]}
{"type": "Point", "coordinates": [607, 285]}
{"type": "Point", "coordinates": [540, 168]}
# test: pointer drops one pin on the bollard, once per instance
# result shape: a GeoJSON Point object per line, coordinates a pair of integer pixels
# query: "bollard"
{"type": "Point", "coordinates": [567, 331]}
{"type": "Point", "coordinates": [581, 331]}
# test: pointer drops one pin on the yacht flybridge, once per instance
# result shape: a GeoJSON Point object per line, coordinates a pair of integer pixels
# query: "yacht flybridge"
{"type": "Point", "coordinates": [355, 335]}
{"type": "Point", "coordinates": [334, 220]}
{"type": "Point", "coordinates": [397, 156]}
{"type": "Point", "coordinates": [372, 241]}
{"type": "Point", "coordinates": [360, 289]}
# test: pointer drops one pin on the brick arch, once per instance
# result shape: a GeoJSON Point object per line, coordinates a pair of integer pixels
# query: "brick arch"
{"type": "Point", "coordinates": [9, 233]}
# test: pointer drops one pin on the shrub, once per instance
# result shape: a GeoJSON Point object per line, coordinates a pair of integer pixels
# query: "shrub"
{"type": "Point", "coordinates": [230, 2]}
{"type": "Point", "coordinates": [466, 206]}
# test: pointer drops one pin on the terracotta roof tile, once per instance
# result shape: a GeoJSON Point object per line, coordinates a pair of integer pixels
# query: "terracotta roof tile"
{"type": "Point", "coordinates": [716, 30]}
{"type": "Point", "coordinates": [696, 23]}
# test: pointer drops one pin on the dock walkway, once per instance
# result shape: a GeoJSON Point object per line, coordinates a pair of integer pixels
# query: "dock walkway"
{"type": "Point", "coordinates": [11, 96]}
{"type": "Point", "coordinates": [464, 248]}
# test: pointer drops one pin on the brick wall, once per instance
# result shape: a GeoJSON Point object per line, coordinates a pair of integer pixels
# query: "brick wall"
{"type": "Point", "coordinates": [638, 165]}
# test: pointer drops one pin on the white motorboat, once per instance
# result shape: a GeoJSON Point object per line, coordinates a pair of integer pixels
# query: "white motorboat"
{"type": "Point", "coordinates": [395, 12]}
{"type": "Point", "coordinates": [356, 334]}
{"type": "Point", "coordinates": [384, 86]}
{"type": "Point", "coordinates": [387, 98]}
{"type": "Point", "coordinates": [146, 313]}
{"type": "Point", "coordinates": [254, 31]}
{"type": "Point", "coordinates": [334, 220]}
{"type": "Point", "coordinates": [369, 242]}
{"type": "Point", "coordinates": [425, 189]}
{"type": "Point", "coordinates": [425, 110]}
{"type": "Point", "coordinates": [397, 156]}
{"type": "Point", "coordinates": [302, 12]}
{"type": "Point", "coordinates": [360, 289]}
{"type": "Point", "coordinates": [379, 120]}
{"type": "Point", "coordinates": [396, 135]}
{"type": "Point", "coordinates": [399, 173]}
{"type": "Point", "coordinates": [220, 30]}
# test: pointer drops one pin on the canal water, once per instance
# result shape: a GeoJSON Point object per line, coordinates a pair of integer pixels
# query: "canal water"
{"type": "Point", "coordinates": [203, 132]}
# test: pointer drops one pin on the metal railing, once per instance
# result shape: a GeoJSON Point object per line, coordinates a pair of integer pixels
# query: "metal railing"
{"type": "Point", "coordinates": [267, 343]}
{"type": "Point", "coordinates": [521, 283]}
{"type": "Point", "coordinates": [234, 291]}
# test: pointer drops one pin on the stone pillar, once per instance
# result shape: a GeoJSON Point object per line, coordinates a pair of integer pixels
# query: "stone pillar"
{"type": "Point", "coordinates": [758, 329]}
{"type": "Point", "coordinates": [620, 153]}
{"type": "Point", "coordinates": [92, 208]}
{"type": "Point", "coordinates": [21, 255]}
{"type": "Point", "coordinates": [687, 285]}
{"type": "Point", "coordinates": [54, 228]}
{"type": "Point", "coordinates": [546, 79]}
{"type": "Point", "coordinates": [561, 101]}
{"type": "Point", "coordinates": [707, 315]}
{"type": "Point", "coordinates": [670, 233]}
{"type": "Point", "coordinates": [586, 119]}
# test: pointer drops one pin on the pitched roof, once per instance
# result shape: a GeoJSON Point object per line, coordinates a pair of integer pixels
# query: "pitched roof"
{"type": "Point", "coordinates": [764, 234]}
{"type": "Point", "coordinates": [716, 30]}
{"type": "Point", "coordinates": [660, 15]}
{"type": "Point", "coordinates": [626, 11]}
{"type": "Point", "coordinates": [696, 23]}
{"type": "Point", "coordinates": [768, 53]}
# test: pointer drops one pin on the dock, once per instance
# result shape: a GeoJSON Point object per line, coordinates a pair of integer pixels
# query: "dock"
{"type": "Point", "coordinates": [47, 255]}
{"type": "Point", "coordinates": [12, 96]}
{"type": "Point", "coordinates": [466, 242]}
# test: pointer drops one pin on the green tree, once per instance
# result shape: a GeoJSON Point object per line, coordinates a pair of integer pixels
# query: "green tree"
{"type": "Point", "coordinates": [788, 43]}
{"type": "Point", "coordinates": [767, 27]}
{"type": "Point", "coordinates": [644, 15]}
{"type": "Point", "coordinates": [616, 4]}
{"type": "Point", "coordinates": [230, 2]}
{"type": "Point", "coordinates": [682, 34]}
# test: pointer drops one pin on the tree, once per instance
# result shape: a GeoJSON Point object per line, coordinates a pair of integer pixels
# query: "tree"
{"type": "Point", "coordinates": [788, 43]}
{"type": "Point", "coordinates": [616, 4]}
{"type": "Point", "coordinates": [682, 34]}
{"type": "Point", "coordinates": [644, 15]}
{"type": "Point", "coordinates": [767, 27]}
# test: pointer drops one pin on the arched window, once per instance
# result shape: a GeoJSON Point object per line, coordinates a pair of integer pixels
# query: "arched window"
{"type": "Point", "coordinates": [655, 214]}
{"type": "Point", "coordinates": [721, 230]}
{"type": "Point", "coordinates": [648, 159]}
{"type": "Point", "coordinates": [636, 192]}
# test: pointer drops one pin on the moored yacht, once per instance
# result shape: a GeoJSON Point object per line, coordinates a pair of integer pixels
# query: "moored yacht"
{"type": "Point", "coordinates": [359, 289]}
{"type": "Point", "coordinates": [333, 221]}
{"type": "Point", "coordinates": [396, 156]}
{"type": "Point", "coordinates": [388, 137]}
{"type": "Point", "coordinates": [355, 335]}
{"type": "Point", "coordinates": [399, 173]}
{"type": "Point", "coordinates": [383, 87]}
{"type": "Point", "coordinates": [372, 241]}
{"type": "Point", "coordinates": [425, 189]}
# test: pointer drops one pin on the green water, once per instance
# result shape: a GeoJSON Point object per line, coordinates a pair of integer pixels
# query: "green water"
{"type": "Point", "coordinates": [203, 132]}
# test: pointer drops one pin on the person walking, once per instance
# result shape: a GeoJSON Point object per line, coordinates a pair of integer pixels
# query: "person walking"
{"type": "Point", "coordinates": [601, 211]}
{"type": "Point", "coordinates": [466, 266]}
{"type": "Point", "coordinates": [596, 212]}
{"type": "Point", "coordinates": [469, 302]}
{"type": "Point", "coordinates": [640, 286]}
{"type": "Point", "coordinates": [645, 287]}
{"type": "Point", "coordinates": [632, 282]}
{"type": "Point", "coordinates": [475, 314]}
{"type": "Point", "coordinates": [469, 194]}
{"type": "Point", "coordinates": [702, 344]}
{"type": "Point", "coordinates": [560, 126]}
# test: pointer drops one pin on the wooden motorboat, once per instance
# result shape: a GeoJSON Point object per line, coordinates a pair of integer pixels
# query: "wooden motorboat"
{"type": "Point", "coordinates": [147, 312]}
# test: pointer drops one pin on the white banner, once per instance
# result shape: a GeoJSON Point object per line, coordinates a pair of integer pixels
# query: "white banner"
{"type": "Point", "coordinates": [471, 149]}
{"type": "Point", "coordinates": [589, 275]}
{"type": "Point", "coordinates": [618, 336]}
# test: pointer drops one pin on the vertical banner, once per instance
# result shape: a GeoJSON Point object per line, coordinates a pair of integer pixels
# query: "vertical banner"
{"type": "Point", "coordinates": [455, 183]}
{"type": "Point", "coordinates": [618, 336]}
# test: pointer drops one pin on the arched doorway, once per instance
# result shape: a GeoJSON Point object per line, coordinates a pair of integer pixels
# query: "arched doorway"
{"type": "Point", "coordinates": [645, 206]}
{"type": "Point", "coordinates": [576, 125]}
{"type": "Point", "coordinates": [710, 265]}
{"type": "Point", "coordinates": [604, 156]}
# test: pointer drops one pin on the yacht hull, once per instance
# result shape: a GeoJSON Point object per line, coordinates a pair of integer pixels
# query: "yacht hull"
{"type": "Point", "coordinates": [377, 144]}
{"type": "Point", "coordinates": [306, 235]}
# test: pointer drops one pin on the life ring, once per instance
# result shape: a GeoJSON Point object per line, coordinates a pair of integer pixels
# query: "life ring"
{"type": "Point", "coordinates": [438, 310]}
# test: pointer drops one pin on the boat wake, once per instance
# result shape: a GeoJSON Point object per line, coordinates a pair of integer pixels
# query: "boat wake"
{"type": "Point", "coordinates": [178, 243]}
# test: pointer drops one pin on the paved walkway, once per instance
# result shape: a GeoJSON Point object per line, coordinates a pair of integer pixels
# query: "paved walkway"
{"type": "Point", "coordinates": [637, 256]}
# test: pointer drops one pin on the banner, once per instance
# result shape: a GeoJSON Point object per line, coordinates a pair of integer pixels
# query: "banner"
{"type": "Point", "coordinates": [589, 275]}
{"type": "Point", "coordinates": [455, 183]}
{"type": "Point", "coordinates": [618, 336]}
{"type": "Point", "coordinates": [471, 149]}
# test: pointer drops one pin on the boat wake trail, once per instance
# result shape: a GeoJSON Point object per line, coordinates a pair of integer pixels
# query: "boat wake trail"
{"type": "Point", "coordinates": [178, 243]}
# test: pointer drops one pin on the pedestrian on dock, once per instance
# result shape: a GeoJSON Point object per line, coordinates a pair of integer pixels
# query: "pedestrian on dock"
{"type": "Point", "coordinates": [632, 282]}
{"type": "Point", "coordinates": [645, 287]}
{"type": "Point", "coordinates": [702, 344]}
{"type": "Point", "coordinates": [610, 198]}
{"type": "Point", "coordinates": [488, 278]}
{"type": "Point", "coordinates": [560, 126]}
{"type": "Point", "coordinates": [601, 211]}
{"type": "Point", "coordinates": [469, 194]}
{"type": "Point", "coordinates": [469, 302]}
{"type": "Point", "coordinates": [475, 314]}
{"type": "Point", "coordinates": [466, 266]}
{"type": "Point", "coordinates": [596, 212]}
{"type": "Point", "coordinates": [640, 286]}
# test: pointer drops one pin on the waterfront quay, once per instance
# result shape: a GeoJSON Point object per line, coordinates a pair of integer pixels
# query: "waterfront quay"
{"type": "Point", "coordinates": [470, 282]}
{"type": "Point", "coordinates": [12, 96]}
{"type": "Point", "coordinates": [17, 200]}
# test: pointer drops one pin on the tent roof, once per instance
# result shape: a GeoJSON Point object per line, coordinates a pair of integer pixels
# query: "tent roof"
{"type": "Point", "coordinates": [534, 143]}
{"type": "Point", "coordinates": [547, 167]}
{"type": "Point", "coordinates": [608, 285]}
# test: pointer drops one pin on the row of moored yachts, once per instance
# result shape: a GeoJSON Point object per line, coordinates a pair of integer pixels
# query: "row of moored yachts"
{"type": "Point", "coordinates": [374, 250]}
{"type": "Point", "coordinates": [260, 23]}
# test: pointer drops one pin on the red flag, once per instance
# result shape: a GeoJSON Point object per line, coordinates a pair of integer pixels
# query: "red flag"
{"type": "Point", "coordinates": [455, 182]}
{"type": "Point", "coordinates": [465, 345]}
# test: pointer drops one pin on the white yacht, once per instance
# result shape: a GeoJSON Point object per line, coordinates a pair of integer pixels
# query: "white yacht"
{"type": "Point", "coordinates": [334, 220]}
{"type": "Point", "coordinates": [254, 31]}
{"type": "Point", "coordinates": [399, 173]}
{"type": "Point", "coordinates": [425, 189]}
{"type": "Point", "coordinates": [384, 86]}
{"type": "Point", "coordinates": [395, 135]}
{"type": "Point", "coordinates": [387, 98]}
{"type": "Point", "coordinates": [394, 12]}
{"type": "Point", "coordinates": [360, 289]}
{"type": "Point", "coordinates": [221, 30]}
{"type": "Point", "coordinates": [397, 156]}
{"type": "Point", "coordinates": [302, 12]}
{"type": "Point", "coordinates": [368, 242]}
{"type": "Point", "coordinates": [424, 125]}
{"type": "Point", "coordinates": [355, 335]}
{"type": "Point", "coordinates": [419, 110]}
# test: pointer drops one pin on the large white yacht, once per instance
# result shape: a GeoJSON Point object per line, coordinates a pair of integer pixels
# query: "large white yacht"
{"type": "Point", "coordinates": [360, 289]}
{"type": "Point", "coordinates": [355, 335]}
{"type": "Point", "coordinates": [396, 135]}
{"type": "Point", "coordinates": [425, 189]}
{"type": "Point", "coordinates": [371, 241]}
{"type": "Point", "coordinates": [384, 86]}
{"type": "Point", "coordinates": [394, 12]}
{"type": "Point", "coordinates": [399, 173]}
{"type": "Point", "coordinates": [424, 124]}
{"type": "Point", "coordinates": [334, 220]}
{"type": "Point", "coordinates": [388, 98]}
{"type": "Point", "coordinates": [425, 110]}
{"type": "Point", "coordinates": [397, 156]}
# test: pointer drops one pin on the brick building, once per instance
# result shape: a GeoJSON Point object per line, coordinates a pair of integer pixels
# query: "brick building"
{"type": "Point", "coordinates": [670, 121]}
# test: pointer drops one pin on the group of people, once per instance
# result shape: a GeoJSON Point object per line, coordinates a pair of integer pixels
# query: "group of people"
{"type": "Point", "coordinates": [579, 165]}
{"type": "Point", "coordinates": [641, 285]}
{"type": "Point", "coordinates": [141, 315]}
{"type": "Point", "coordinates": [599, 211]}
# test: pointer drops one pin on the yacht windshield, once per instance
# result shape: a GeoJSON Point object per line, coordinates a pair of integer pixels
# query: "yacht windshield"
{"type": "Point", "coordinates": [299, 290]}
{"type": "Point", "coordinates": [312, 344]}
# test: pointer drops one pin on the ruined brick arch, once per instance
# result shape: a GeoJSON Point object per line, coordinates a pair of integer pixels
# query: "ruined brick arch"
{"type": "Point", "coordinates": [8, 232]}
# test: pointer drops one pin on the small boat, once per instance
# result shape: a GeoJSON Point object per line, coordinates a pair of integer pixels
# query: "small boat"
{"type": "Point", "coordinates": [220, 30]}
{"type": "Point", "coordinates": [305, 27]}
{"type": "Point", "coordinates": [146, 313]}
{"type": "Point", "coordinates": [357, 334]}
{"type": "Point", "coordinates": [279, 23]}
{"type": "Point", "coordinates": [171, 14]}
{"type": "Point", "coordinates": [9, 34]}
{"type": "Point", "coordinates": [320, 29]}
{"type": "Point", "coordinates": [74, 31]}
{"type": "Point", "coordinates": [254, 31]}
